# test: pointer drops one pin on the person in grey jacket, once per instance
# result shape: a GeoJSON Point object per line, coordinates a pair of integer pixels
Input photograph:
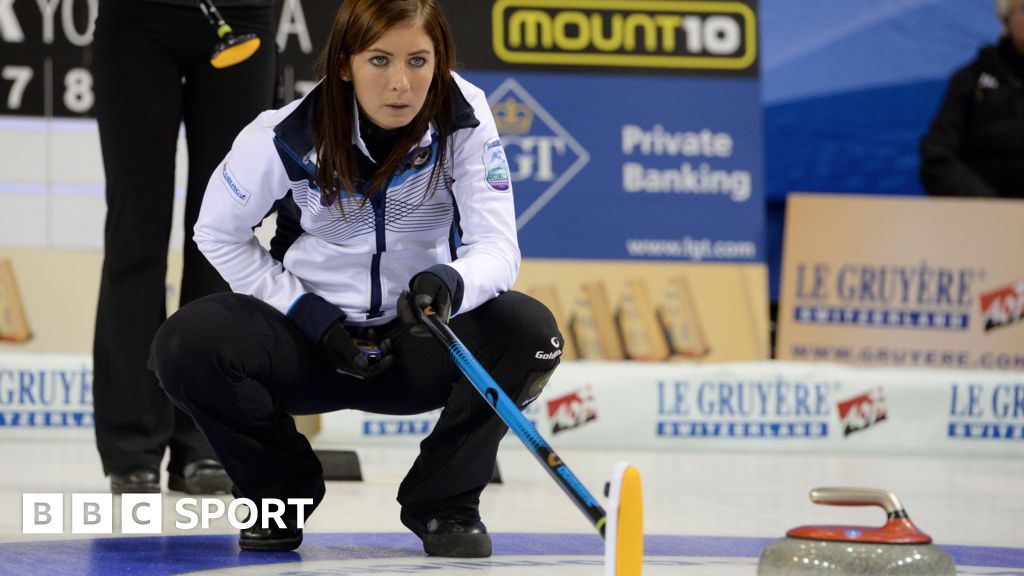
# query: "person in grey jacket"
{"type": "Point", "coordinates": [404, 200]}
{"type": "Point", "coordinates": [975, 146]}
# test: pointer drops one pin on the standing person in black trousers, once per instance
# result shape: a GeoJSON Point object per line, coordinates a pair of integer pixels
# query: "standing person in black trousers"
{"type": "Point", "coordinates": [151, 63]}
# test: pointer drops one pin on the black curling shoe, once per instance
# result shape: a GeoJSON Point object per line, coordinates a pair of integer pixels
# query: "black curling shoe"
{"type": "Point", "coordinates": [451, 535]}
{"type": "Point", "coordinates": [451, 538]}
{"type": "Point", "coordinates": [138, 481]}
{"type": "Point", "coordinates": [204, 476]}
{"type": "Point", "coordinates": [271, 539]}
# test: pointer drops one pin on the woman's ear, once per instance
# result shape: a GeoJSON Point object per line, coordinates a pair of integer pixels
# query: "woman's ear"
{"type": "Point", "coordinates": [344, 75]}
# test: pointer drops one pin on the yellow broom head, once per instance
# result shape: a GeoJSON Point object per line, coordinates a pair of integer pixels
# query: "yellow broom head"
{"type": "Point", "coordinates": [234, 49]}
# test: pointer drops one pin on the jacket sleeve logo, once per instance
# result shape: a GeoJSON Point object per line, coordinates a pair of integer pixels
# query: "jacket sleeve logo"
{"type": "Point", "coordinates": [496, 172]}
{"type": "Point", "coordinates": [240, 196]}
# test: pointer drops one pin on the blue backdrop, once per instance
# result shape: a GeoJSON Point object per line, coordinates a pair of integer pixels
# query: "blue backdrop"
{"type": "Point", "coordinates": [849, 88]}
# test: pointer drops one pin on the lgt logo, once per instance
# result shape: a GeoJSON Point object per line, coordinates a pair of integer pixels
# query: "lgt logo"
{"type": "Point", "coordinates": [542, 155]}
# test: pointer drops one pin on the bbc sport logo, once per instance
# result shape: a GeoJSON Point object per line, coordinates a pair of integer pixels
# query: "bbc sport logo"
{"type": "Point", "coordinates": [43, 513]}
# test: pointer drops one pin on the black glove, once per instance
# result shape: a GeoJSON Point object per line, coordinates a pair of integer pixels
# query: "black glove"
{"type": "Point", "coordinates": [439, 287]}
{"type": "Point", "coordinates": [323, 323]}
{"type": "Point", "coordinates": [363, 360]}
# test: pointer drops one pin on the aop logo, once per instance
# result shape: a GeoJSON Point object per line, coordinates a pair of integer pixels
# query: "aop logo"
{"type": "Point", "coordinates": [572, 410]}
{"type": "Point", "coordinates": [542, 156]}
{"type": "Point", "coordinates": [1003, 306]}
{"type": "Point", "coordinates": [863, 411]}
{"type": "Point", "coordinates": [626, 33]}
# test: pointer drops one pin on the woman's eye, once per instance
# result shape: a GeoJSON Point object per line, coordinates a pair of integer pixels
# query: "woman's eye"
{"type": "Point", "coordinates": [378, 60]}
{"type": "Point", "coordinates": [418, 61]}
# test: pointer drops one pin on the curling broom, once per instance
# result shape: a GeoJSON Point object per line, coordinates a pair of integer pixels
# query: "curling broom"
{"type": "Point", "coordinates": [622, 527]}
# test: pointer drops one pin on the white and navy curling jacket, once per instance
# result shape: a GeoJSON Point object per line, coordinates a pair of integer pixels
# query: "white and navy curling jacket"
{"type": "Point", "coordinates": [361, 258]}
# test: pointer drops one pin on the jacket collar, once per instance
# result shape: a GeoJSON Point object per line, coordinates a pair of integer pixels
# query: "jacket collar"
{"type": "Point", "coordinates": [296, 133]}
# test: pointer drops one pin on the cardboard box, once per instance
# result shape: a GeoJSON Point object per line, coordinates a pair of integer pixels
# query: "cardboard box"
{"type": "Point", "coordinates": [13, 321]}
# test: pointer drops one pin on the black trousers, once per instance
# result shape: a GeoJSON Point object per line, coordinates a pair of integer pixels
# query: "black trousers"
{"type": "Point", "coordinates": [242, 369]}
{"type": "Point", "coordinates": [151, 64]}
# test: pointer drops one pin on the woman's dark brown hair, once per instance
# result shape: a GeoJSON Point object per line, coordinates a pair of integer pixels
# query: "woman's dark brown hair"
{"type": "Point", "coordinates": [358, 24]}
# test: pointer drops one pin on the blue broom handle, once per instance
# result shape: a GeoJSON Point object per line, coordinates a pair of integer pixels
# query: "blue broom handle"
{"type": "Point", "coordinates": [509, 412]}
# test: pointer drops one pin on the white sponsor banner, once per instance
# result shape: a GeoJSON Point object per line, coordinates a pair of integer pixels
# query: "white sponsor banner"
{"type": "Point", "coordinates": [774, 406]}
{"type": "Point", "coordinates": [45, 395]}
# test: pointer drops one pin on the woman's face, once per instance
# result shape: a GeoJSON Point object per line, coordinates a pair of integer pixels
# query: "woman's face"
{"type": "Point", "coordinates": [391, 78]}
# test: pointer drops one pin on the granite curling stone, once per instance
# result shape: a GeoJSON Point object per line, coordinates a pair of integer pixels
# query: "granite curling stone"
{"type": "Point", "coordinates": [897, 548]}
